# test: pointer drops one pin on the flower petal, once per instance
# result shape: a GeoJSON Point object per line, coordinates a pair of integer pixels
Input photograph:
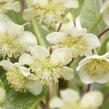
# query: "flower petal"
{"type": "Point", "coordinates": [27, 40]}
{"type": "Point", "coordinates": [85, 76]}
{"type": "Point", "coordinates": [62, 56]}
{"type": "Point", "coordinates": [56, 103]}
{"type": "Point", "coordinates": [7, 65]}
{"type": "Point", "coordinates": [26, 59]}
{"type": "Point", "coordinates": [39, 52]}
{"type": "Point", "coordinates": [71, 3]}
{"type": "Point", "coordinates": [93, 98]}
{"type": "Point", "coordinates": [69, 95]}
{"type": "Point", "coordinates": [25, 71]}
{"type": "Point", "coordinates": [68, 74]}
{"type": "Point", "coordinates": [106, 16]}
{"type": "Point", "coordinates": [56, 37]}
{"type": "Point", "coordinates": [92, 40]}
{"type": "Point", "coordinates": [34, 87]}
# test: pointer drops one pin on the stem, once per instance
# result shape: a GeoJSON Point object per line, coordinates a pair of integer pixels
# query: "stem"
{"type": "Point", "coordinates": [60, 25]}
{"type": "Point", "coordinates": [106, 97]}
{"type": "Point", "coordinates": [36, 28]}
{"type": "Point", "coordinates": [95, 24]}
{"type": "Point", "coordinates": [51, 93]}
{"type": "Point", "coordinates": [102, 33]}
{"type": "Point", "coordinates": [23, 4]}
{"type": "Point", "coordinates": [63, 84]}
{"type": "Point", "coordinates": [52, 90]}
{"type": "Point", "coordinates": [43, 106]}
{"type": "Point", "coordinates": [88, 88]}
{"type": "Point", "coordinates": [38, 34]}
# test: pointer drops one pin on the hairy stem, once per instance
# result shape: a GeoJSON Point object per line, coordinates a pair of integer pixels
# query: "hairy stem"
{"type": "Point", "coordinates": [36, 28]}
{"type": "Point", "coordinates": [38, 34]}
{"type": "Point", "coordinates": [96, 23]}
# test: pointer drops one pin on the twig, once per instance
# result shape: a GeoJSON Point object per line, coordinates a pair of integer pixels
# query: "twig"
{"type": "Point", "coordinates": [60, 25]}
{"type": "Point", "coordinates": [23, 4]}
{"type": "Point", "coordinates": [88, 88]}
{"type": "Point", "coordinates": [102, 33]}
{"type": "Point", "coordinates": [43, 106]}
{"type": "Point", "coordinates": [106, 97]}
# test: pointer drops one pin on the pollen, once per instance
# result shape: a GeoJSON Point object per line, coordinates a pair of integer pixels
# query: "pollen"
{"type": "Point", "coordinates": [78, 44]}
{"type": "Point", "coordinates": [16, 80]}
{"type": "Point", "coordinates": [10, 46]}
{"type": "Point", "coordinates": [50, 13]}
{"type": "Point", "coordinates": [46, 72]}
{"type": "Point", "coordinates": [97, 67]}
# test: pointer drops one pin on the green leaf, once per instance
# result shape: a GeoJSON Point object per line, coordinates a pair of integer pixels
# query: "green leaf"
{"type": "Point", "coordinates": [16, 100]}
{"type": "Point", "coordinates": [16, 17]}
{"type": "Point", "coordinates": [89, 16]}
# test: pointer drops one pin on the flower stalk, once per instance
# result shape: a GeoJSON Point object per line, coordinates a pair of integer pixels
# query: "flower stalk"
{"type": "Point", "coordinates": [36, 28]}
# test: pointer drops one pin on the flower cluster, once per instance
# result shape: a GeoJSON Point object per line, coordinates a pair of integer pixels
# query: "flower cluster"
{"type": "Point", "coordinates": [49, 12]}
{"type": "Point", "coordinates": [70, 99]}
{"type": "Point", "coordinates": [30, 66]}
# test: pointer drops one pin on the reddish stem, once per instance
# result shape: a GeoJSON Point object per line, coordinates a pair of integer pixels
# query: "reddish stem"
{"type": "Point", "coordinates": [42, 105]}
{"type": "Point", "coordinates": [60, 25]}
{"type": "Point", "coordinates": [23, 4]}
{"type": "Point", "coordinates": [88, 88]}
{"type": "Point", "coordinates": [106, 97]}
{"type": "Point", "coordinates": [102, 33]}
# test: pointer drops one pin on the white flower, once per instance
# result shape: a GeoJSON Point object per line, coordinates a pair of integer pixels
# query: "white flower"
{"type": "Point", "coordinates": [70, 99]}
{"type": "Point", "coordinates": [94, 69]}
{"type": "Point", "coordinates": [9, 5]}
{"type": "Point", "coordinates": [13, 39]}
{"type": "Point", "coordinates": [79, 41]}
{"type": "Point", "coordinates": [105, 11]}
{"type": "Point", "coordinates": [49, 68]}
{"type": "Point", "coordinates": [49, 12]}
{"type": "Point", "coordinates": [18, 78]}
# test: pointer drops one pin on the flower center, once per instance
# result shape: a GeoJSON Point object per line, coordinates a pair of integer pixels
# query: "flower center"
{"type": "Point", "coordinates": [51, 13]}
{"type": "Point", "coordinates": [45, 71]}
{"type": "Point", "coordinates": [78, 44]}
{"type": "Point", "coordinates": [9, 46]}
{"type": "Point", "coordinates": [16, 80]}
{"type": "Point", "coordinates": [97, 67]}
{"type": "Point", "coordinates": [75, 105]}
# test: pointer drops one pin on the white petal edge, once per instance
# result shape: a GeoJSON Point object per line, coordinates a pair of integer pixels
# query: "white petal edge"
{"type": "Point", "coordinates": [7, 65]}
{"type": "Point", "coordinates": [93, 98]}
{"type": "Point", "coordinates": [34, 87]}
{"type": "Point", "coordinates": [56, 103]}
{"type": "Point", "coordinates": [85, 77]}
{"type": "Point", "coordinates": [26, 59]}
{"type": "Point", "coordinates": [27, 39]}
{"type": "Point", "coordinates": [39, 52]}
{"type": "Point", "coordinates": [69, 95]}
{"type": "Point", "coordinates": [56, 37]}
{"type": "Point", "coordinates": [62, 56]}
{"type": "Point", "coordinates": [68, 73]}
